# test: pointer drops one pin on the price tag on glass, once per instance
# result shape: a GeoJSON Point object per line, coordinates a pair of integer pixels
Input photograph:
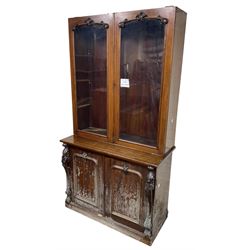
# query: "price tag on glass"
{"type": "Point", "coordinates": [124, 83]}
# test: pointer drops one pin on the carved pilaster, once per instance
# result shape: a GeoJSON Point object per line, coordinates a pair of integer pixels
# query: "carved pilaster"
{"type": "Point", "coordinates": [149, 189]}
{"type": "Point", "coordinates": [66, 159]}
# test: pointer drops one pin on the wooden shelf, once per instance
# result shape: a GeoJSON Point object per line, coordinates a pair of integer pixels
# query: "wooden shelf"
{"type": "Point", "coordinates": [100, 131]}
{"type": "Point", "coordinates": [83, 80]}
{"type": "Point", "coordinates": [90, 71]}
{"type": "Point", "coordinates": [83, 105]}
{"type": "Point", "coordinates": [84, 55]}
{"type": "Point", "coordinates": [137, 139]}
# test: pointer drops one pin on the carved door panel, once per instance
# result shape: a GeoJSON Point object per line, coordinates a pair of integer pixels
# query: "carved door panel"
{"type": "Point", "coordinates": [88, 179]}
{"type": "Point", "coordinates": [128, 201]}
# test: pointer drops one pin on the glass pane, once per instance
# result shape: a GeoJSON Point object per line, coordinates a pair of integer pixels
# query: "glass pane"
{"type": "Point", "coordinates": [142, 45]}
{"type": "Point", "coordinates": [91, 75]}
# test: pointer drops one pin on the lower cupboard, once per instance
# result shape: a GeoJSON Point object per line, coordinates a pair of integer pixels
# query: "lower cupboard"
{"type": "Point", "coordinates": [129, 197]}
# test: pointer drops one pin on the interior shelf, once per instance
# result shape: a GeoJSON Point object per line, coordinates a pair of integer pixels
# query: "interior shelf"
{"type": "Point", "coordinates": [100, 131]}
{"type": "Point", "coordinates": [84, 55]}
{"type": "Point", "coordinates": [83, 105]}
{"type": "Point", "coordinates": [83, 80]}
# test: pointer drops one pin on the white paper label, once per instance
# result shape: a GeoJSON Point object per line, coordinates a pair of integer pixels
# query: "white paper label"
{"type": "Point", "coordinates": [124, 82]}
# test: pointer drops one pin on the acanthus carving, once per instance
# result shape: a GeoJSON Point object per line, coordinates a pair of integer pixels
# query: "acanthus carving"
{"type": "Point", "coordinates": [150, 184]}
{"type": "Point", "coordinates": [149, 189]}
{"type": "Point", "coordinates": [66, 160]}
{"type": "Point", "coordinates": [90, 22]}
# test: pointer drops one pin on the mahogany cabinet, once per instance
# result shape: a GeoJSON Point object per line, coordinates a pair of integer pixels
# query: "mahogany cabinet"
{"type": "Point", "coordinates": [125, 71]}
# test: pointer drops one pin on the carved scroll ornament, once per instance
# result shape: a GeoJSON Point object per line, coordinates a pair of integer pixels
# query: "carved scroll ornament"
{"type": "Point", "coordinates": [149, 189]}
{"type": "Point", "coordinates": [141, 17]}
{"type": "Point", "coordinates": [66, 159]}
{"type": "Point", "coordinates": [90, 22]}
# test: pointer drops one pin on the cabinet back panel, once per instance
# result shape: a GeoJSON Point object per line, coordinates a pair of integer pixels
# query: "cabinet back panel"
{"type": "Point", "coordinates": [142, 45]}
{"type": "Point", "coordinates": [91, 75]}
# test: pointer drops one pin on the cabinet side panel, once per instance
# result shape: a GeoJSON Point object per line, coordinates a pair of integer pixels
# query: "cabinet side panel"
{"type": "Point", "coordinates": [72, 72]}
{"type": "Point", "coordinates": [160, 210]}
{"type": "Point", "coordinates": [179, 33]}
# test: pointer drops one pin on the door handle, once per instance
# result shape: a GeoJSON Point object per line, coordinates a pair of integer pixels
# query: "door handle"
{"type": "Point", "coordinates": [85, 156]}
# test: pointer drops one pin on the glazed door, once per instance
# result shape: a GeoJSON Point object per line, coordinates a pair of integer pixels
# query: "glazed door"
{"type": "Point", "coordinates": [90, 44]}
{"type": "Point", "coordinates": [140, 47]}
{"type": "Point", "coordinates": [127, 201]}
{"type": "Point", "coordinates": [88, 184]}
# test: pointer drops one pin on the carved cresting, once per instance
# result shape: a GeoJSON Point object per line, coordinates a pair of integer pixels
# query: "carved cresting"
{"type": "Point", "coordinates": [149, 189]}
{"type": "Point", "coordinates": [90, 22]}
{"type": "Point", "coordinates": [141, 17]}
{"type": "Point", "coordinates": [66, 158]}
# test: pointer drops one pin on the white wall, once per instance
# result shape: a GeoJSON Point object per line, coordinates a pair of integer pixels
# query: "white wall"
{"type": "Point", "coordinates": [209, 195]}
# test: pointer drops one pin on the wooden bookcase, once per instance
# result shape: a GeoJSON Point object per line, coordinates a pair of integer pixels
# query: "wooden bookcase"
{"type": "Point", "coordinates": [125, 70]}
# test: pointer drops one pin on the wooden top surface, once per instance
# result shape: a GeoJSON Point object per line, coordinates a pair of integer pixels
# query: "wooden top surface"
{"type": "Point", "coordinates": [117, 151]}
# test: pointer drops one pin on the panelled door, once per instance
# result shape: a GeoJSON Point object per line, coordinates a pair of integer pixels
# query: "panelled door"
{"type": "Point", "coordinates": [88, 186]}
{"type": "Point", "coordinates": [126, 198]}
